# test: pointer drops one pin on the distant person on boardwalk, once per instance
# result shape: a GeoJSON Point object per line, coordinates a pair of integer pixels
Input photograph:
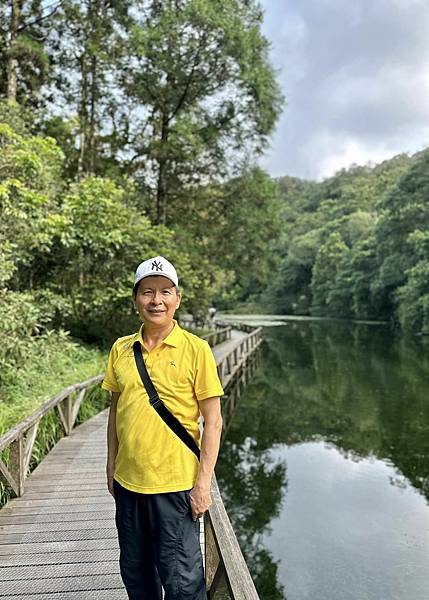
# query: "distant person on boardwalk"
{"type": "Point", "coordinates": [161, 488]}
{"type": "Point", "coordinates": [212, 314]}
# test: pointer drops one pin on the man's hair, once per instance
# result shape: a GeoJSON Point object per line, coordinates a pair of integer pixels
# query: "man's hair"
{"type": "Point", "coordinates": [136, 287]}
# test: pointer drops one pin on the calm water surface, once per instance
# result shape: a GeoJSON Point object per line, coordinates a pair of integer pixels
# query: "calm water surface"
{"type": "Point", "coordinates": [325, 466]}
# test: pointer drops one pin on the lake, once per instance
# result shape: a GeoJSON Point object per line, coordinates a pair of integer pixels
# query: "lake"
{"type": "Point", "coordinates": [324, 469]}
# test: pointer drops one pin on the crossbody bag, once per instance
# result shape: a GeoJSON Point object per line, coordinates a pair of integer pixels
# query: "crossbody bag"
{"type": "Point", "coordinates": [155, 401]}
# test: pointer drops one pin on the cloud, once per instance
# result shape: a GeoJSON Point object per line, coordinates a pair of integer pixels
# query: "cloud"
{"type": "Point", "coordinates": [356, 80]}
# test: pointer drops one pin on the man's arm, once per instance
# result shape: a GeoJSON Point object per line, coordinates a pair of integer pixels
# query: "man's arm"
{"type": "Point", "coordinates": [112, 441]}
{"type": "Point", "coordinates": [200, 494]}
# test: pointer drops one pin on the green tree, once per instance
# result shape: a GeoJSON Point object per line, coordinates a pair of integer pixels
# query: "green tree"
{"type": "Point", "coordinates": [201, 93]}
{"type": "Point", "coordinates": [30, 168]}
{"type": "Point", "coordinates": [403, 211]}
{"type": "Point", "coordinates": [24, 60]}
{"type": "Point", "coordinates": [234, 228]}
{"type": "Point", "coordinates": [325, 281]}
{"type": "Point", "coordinates": [413, 296]}
{"type": "Point", "coordinates": [87, 44]}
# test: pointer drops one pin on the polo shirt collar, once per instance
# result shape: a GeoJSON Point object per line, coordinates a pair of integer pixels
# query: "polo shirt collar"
{"type": "Point", "coordinates": [174, 338]}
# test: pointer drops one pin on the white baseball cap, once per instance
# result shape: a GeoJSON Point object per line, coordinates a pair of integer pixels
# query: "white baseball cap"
{"type": "Point", "coordinates": [158, 265]}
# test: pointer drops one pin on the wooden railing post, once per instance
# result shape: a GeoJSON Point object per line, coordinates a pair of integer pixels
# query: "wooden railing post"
{"type": "Point", "coordinates": [65, 411]}
{"type": "Point", "coordinates": [16, 464]}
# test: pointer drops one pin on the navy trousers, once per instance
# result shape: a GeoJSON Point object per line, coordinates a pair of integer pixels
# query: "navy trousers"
{"type": "Point", "coordinates": [159, 546]}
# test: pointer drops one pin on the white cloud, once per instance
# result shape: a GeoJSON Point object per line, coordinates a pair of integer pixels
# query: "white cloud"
{"type": "Point", "coordinates": [350, 152]}
{"type": "Point", "coordinates": [356, 80]}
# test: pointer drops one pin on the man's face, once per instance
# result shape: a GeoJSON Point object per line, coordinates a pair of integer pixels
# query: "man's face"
{"type": "Point", "coordinates": [157, 300]}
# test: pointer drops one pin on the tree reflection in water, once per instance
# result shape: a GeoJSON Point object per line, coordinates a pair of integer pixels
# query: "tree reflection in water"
{"type": "Point", "coordinates": [356, 387]}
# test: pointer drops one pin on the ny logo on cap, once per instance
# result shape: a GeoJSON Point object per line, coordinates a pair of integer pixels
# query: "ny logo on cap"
{"type": "Point", "coordinates": [156, 265]}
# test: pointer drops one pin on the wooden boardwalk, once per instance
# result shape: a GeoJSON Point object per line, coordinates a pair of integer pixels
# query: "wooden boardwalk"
{"type": "Point", "coordinates": [58, 542]}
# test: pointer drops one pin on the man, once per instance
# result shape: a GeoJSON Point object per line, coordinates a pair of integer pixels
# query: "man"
{"type": "Point", "coordinates": [160, 487]}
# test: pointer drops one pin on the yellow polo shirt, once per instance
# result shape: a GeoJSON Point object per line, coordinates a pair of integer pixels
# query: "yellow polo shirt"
{"type": "Point", "coordinates": [151, 458]}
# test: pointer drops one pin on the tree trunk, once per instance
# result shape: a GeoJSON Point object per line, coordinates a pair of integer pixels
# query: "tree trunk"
{"type": "Point", "coordinates": [96, 8]}
{"type": "Point", "coordinates": [161, 192]}
{"type": "Point", "coordinates": [12, 62]}
{"type": "Point", "coordinates": [83, 118]}
{"type": "Point", "coordinates": [92, 116]}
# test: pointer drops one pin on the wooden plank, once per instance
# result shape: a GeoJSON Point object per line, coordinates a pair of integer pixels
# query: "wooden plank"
{"type": "Point", "coordinates": [28, 445]}
{"type": "Point", "coordinates": [45, 527]}
{"type": "Point", "coordinates": [54, 571]}
{"type": "Point", "coordinates": [54, 558]}
{"type": "Point", "coordinates": [101, 594]}
{"type": "Point", "coordinates": [16, 464]}
{"type": "Point", "coordinates": [57, 510]}
{"type": "Point", "coordinates": [60, 494]}
{"type": "Point", "coordinates": [212, 561]}
{"type": "Point", "coordinates": [48, 517]}
{"type": "Point", "coordinates": [57, 536]}
{"type": "Point", "coordinates": [63, 584]}
{"type": "Point", "coordinates": [101, 499]}
{"type": "Point", "coordinates": [94, 478]}
{"type": "Point", "coordinates": [65, 486]}
{"type": "Point", "coordinates": [75, 474]}
{"type": "Point", "coordinates": [105, 543]}
{"type": "Point", "coordinates": [236, 571]}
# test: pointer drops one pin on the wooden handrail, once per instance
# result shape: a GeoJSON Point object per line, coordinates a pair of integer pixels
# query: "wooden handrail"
{"type": "Point", "coordinates": [236, 325]}
{"type": "Point", "coordinates": [233, 361]}
{"type": "Point", "coordinates": [225, 564]}
{"type": "Point", "coordinates": [20, 439]}
{"type": "Point", "coordinates": [16, 431]}
{"type": "Point", "coordinates": [218, 336]}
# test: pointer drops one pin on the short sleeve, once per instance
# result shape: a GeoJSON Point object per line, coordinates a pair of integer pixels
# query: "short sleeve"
{"type": "Point", "coordinates": [110, 382]}
{"type": "Point", "coordinates": [207, 383]}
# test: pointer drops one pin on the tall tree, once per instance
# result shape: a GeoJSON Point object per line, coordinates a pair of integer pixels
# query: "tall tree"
{"type": "Point", "coordinates": [85, 43]}
{"type": "Point", "coordinates": [201, 93]}
{"type": "Point", "coordinates": [24, 26]}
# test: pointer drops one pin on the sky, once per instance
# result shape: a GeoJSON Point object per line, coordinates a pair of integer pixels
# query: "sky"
{"type": "Point", "coordinates": [355, 75]}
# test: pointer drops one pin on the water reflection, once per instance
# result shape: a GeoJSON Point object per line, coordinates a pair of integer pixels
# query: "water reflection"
{"type": "Point", "coordinates": [364, 394]}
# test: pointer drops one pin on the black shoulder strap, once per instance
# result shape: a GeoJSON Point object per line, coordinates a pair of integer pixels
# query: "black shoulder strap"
{"type": "Point", "coordinates": [154, 399]}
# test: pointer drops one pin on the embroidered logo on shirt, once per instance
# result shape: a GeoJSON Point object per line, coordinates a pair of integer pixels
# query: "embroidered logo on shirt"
{"type": "Point", "coordinates": [172, 363]}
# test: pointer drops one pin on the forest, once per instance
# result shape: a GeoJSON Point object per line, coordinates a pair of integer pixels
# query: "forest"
{"type": "Point", "coordinates": [356, 245]}
{"type": "Point", "coordinates": [133, 128]}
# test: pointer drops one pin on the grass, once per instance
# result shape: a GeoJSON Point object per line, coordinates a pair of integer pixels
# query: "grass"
{"type": "Point", "coordinates": [50, 366]}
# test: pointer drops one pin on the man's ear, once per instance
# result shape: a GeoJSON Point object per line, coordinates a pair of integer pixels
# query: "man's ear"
{"type": "Point", "coordinates": [179, 299]}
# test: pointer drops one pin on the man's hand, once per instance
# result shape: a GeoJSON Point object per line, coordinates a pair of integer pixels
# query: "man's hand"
{"type": "Point", "coordinates": [109, 475]}
{"type": "Point", "coordinates": [201, 500]}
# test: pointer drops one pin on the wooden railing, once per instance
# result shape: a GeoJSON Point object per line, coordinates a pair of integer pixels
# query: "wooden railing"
{"type": "Point", "coordinates": [235, 325]}
{"type": "Point", "coordinates": [218, 336]}
{"type": "Point", "coordinates": [227, 574]}
{"type": "Point", "coordinates": [20, 439]}
{"type": "Point", "coordinates": [231, 364]}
